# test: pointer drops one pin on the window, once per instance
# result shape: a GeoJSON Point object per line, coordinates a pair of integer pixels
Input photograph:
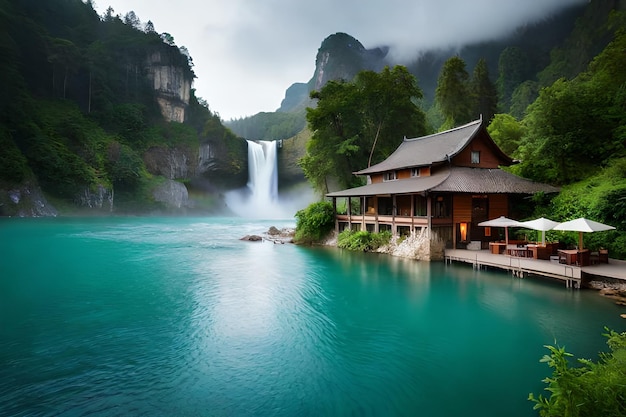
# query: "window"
{"type": "Point", "coordinates": [442, 206]}
{"type": "Point", "coordinates": [389, 176]}
{"type": "Point", "coordinates": [475, 157]}
{"type": "Point", "coordinates": [421, 205]}
{"type": "Point", "coordinates": [415, 172]}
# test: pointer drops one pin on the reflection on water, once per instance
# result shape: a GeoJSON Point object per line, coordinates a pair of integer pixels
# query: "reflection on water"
{"type": "Point", "coordinates": [180, 317]}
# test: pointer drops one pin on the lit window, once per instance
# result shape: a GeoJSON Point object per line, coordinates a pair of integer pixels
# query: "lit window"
{"type": "Point", "coordinates": [389, 176]}
{"type": "Point", "coordinates": [415, 172]}
{"type": "Point", "coordinates": [475, 157]}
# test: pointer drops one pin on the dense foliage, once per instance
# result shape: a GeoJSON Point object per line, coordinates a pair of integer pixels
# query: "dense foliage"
{"type": "Point", "coordinates": [362, 240]}
{"type": "Point", "coordinates": [268, 126]}
{"type": "Point", "coordinates": [314, 222]}
{"type": "Point", "coordinates": [460, 98]}
{"type": "Point", "coordinates": [453, 93]}
{"type": "Point", "coordinates": [359, 123]}
{"type": "Point", "coordinates": [590, 390]}
{"type": "Point", "coordinates": [575, 126]}
{"type": "Point", "coordinates": [78, 110]}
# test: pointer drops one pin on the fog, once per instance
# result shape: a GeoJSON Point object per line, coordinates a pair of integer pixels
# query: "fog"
{"type": "Point", "coordinates": [247, 52]}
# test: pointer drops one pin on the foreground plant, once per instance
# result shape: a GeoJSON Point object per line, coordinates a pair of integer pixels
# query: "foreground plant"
{"type": "Point", "coordinates": [593, 389]}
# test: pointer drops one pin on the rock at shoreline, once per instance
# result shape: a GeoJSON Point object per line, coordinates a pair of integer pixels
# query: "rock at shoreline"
{"type": "Point", "coordinates": [615, 294]}
{"type": "Point", "coordinates": [284, 235]}
{"type": "Point", "coordinates": [252, 238]}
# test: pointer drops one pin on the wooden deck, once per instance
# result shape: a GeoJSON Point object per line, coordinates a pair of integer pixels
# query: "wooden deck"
{"type": "Point", "coordinates": [572, 275]}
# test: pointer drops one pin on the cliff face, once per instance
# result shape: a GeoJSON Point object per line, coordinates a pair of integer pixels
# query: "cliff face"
{"type": "Point", "coordinates": [172, 194]}
{"type": "Point", "coordinates": [24, 200]}
{"type": "Point", "coordinates": [341, 57]}
{"type": "Point", "coordinates": [172, 85]}
{"type": "Point", "coordinates": [224, 163]}
{"type": "Point", "coordinates": [171, 163]}
{"type": "Point", "coordinates": [99, 199]}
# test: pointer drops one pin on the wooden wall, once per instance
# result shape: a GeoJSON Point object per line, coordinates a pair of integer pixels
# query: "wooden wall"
{"type": "Point", "coordinates": [488, 158]}
{"type": "Point", "coordinates": [461, 208]}
{"type": "Point", "coordinates": [498, 205]}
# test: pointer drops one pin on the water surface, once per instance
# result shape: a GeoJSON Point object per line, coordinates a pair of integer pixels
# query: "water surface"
{"type": "Point", "coordinates": [162, 316]}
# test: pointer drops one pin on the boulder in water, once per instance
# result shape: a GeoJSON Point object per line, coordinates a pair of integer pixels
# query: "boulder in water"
{"type": "Point", "coordinates": [252, 238]}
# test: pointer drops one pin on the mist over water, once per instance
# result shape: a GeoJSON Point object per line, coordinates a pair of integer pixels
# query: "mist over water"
{"type": "Point", "coordinates": [261, 199]}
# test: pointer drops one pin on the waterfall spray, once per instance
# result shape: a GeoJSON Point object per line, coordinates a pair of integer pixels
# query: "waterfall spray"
{"type": "Point", "coordinates": [260, 199]}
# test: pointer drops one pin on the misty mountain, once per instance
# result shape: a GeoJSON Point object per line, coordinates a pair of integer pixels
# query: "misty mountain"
{"type": "Point", "coordinates": [572, 32]}
{"type": "Point", "coordinates": [340, 57]}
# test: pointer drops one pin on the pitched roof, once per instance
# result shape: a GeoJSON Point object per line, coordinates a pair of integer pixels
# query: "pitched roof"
{"type": "Point", "coordinates": [489, 181]}
{"type": "Point", "coordinates": [428, 150]}
{"type": "Point", "coordinates": [406, 186]}
{"type": "Point", "coordinates": [453, 179]}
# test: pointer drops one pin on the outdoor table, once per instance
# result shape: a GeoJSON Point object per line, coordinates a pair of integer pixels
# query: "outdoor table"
{"type": "Point", "coordinates": [574, 257]}
{"type": "Point", "coordinates": [497, 247]}
{"type": "Point", "coordinates": [540, 251]}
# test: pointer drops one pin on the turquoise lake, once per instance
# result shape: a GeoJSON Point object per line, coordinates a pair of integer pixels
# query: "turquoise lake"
{"type": "Point", "coordinates": [178, 317]}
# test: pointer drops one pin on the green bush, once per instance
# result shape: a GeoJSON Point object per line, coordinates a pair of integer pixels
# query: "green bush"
{"type": "Point", "coordinates": [593, 389]}
{"type": "Point", "coordinates": [314, 222]}
{"type": "Point", "coordinates": [362, 240]}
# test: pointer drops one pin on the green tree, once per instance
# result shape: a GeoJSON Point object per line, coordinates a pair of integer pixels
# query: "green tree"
{"type": "Point", "coordinates": [513, 69]}
{"type": "Point", "coordinates": [484, 92]}
{"type": "Point", "coordinates": [453, 95]}
{"type": "Point", "coordinates": [507, 132]}
{"type": "Point", "coordinates": [63, 53]}
{"type": "Point", "coordinates": [574, 127]}
{"type": "Point", "coordinates": [131, 19]}
{"type": "Point", "coordinates": [314, 222]}
{"type": "Point", "coordinates": [523, 96]}
{"type": "Point", "coordinates": [359, 123]}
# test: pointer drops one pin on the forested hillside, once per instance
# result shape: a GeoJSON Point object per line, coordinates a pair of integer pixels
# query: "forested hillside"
{"type": "Point", "coordinates": [566, 124]}
{"type": "Point", "coordinates": [98, 111]}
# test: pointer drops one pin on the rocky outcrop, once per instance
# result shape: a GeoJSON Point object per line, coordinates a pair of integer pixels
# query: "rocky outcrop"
{"type": "Point", "coordinates": [296, 96]}
{"type": "Point", "coordinates": [252, 238]}
{"type": "Point", "coordinates": [24, 200]}
{"type": "Point", "coordinates": [172, 163]}
{"type": "Point", "coordinates": [289, 155]}
{"type": "Point", "coordinates": [415, 246]}
{"type": "Point", "coordinates": [274, 235]}
{"type": "Point", "coordinates": [172, 85]}
{"type": "Point", "coordinates": [100, 198]}
{"type": "Point", "coordinates": [224, 165]}
{"type": "Point", "coordinates": [341, 57]}
{"type": "Point", "coordinates": [172, 194]}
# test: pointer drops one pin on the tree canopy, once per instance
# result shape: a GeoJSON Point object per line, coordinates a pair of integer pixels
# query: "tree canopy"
{"type": "Point", "coordinates": [359, 123]}
{"type": "Point", "coordinates": [575, 126]}
{"type": "Point", "coordinates": [453, 94]}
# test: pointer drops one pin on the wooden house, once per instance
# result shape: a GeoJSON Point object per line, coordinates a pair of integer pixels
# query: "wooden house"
{"type": "Point", "coordinates": [443, 184]}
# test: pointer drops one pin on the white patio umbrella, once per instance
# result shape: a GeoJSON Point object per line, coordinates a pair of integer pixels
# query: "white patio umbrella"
{"type": "Point", "coordinates": [501, 222]}
{"type": "Point", "coordinates": [542, 224]}
{"type": "Point", "coordinates": [582, 225]}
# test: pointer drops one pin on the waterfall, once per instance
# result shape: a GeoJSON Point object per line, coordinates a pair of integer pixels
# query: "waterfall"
{"type": "Point", "coordinates": [260, 198]}
{"type": "Point", "coordinates": [263, 173]}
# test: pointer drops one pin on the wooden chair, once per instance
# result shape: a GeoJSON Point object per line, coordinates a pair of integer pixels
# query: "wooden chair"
{"type": "Point", "coordinates": [603, 256]}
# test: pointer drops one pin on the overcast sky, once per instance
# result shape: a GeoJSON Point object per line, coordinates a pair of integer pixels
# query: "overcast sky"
{"type": "Point", "coordinates": [248, 52]}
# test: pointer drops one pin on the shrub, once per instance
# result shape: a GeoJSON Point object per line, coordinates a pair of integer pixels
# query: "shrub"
{"type": "Point", "coordinates": [314, 222]}
{"type": "Point", "coordinates": [593, 389]}
{"type": "Point", "coordinates": [362, 240]}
